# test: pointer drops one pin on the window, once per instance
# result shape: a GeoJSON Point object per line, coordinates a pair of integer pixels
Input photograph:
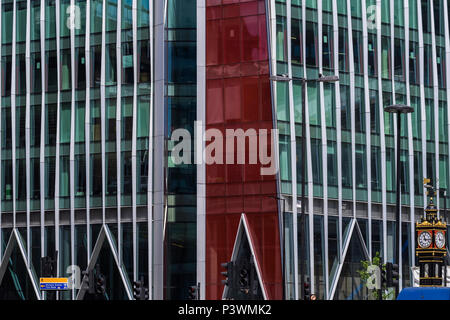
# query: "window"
{"type": "Point", "coordinates": [414, 66]}
{"type": "Point", "coordinates": [127, 63]}
{"type": "Point", "coordinates": [80, 175]}
{"type": "Point", "coordinates": [65, 122]}
{"type": "Point", "coordinates": [36, 74]}
{"type": "Point", "coordinates": [376, 168]}
{"type": "Point", "coordinates": [96, 63]}
{"type": "Point", "coordinates": [399, 60]}
{"type": "Point", "coordinates": [345, 108]}
{"type": "Point", "coordinates": [332, 164]}
{"type": "Point", "coordinates": [311, 44]}
{"type": "Point", "coordinates": [144, 58]}
{"type": "Point", "coordinates": [7, 22]}
{"type": "Point", "coordinates": [66, 78]}
{"type": "Point", "coordinates": [35, 122]}
{"type": "Point", "coordinates": [50, 124]}
{"type": "Point", "coordinates": [96, 16]}
{"type": "Point", "coordinates": [358, 51]}
{"type": "Point", "coordinates": [343, 50]}
{"type": "Point", "coordinates": [52, 71]}
{"type": "Point", "coordinates": [111, 119]}
{"type": "Point", "coordinates": [361, 168]}
{"type": "Point", "coordinates": [143, 15]}
{"type": "Point", "coordinates": [95, 121]}
{"type": "Point", "coordinates": [360, 122]}
{"type": "Point", "coordinates": [79, 121]}
{"type": "Point", "coordinates": [316, 154]}
{"type": "Point", "coordinates": [50, 19]}
{"type": "Point", "coordinates": [374, 115]}
{"type": "Point", "coordinates": [111, 173]}
{"type": "Point", "coordinates": [328, 52]}
{"type": "Point", "coordinates": [347, 165]}
{"type": "Point", "coordinates": [385, 58]}
{"type": "Point", "coordinates": [127, 118]}
{"type": "Point", "coordinates": [296, 42]}
{"type": "Point", "coordinates": [110, 71]}
{"type": "Point", "coordinates": [80, 68]}
{"type": "Point", "coordinates": [372, 47]}
{"type": "Point", "coordinates": [21, 20]}
{"type": "Point", "coordinates": [111, 15]}
{"type": "Point", "coordinates": [21, 74]}
{"type": "Point", "coordinates": [127, 16]}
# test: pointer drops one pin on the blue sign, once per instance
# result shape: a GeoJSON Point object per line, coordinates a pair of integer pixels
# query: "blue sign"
{"type": "Point", "coordinates": [425, 293]}
{"type": "Point", "coordinates": [54, 283]}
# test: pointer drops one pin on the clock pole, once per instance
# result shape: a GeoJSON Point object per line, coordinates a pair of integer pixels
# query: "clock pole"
{"type": "Point", "coordinates": [431, 245]}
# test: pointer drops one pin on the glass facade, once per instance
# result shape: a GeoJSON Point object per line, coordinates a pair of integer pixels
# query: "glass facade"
{"type": "Point", "coordinates": [351, 148]}
{"type": "Point", "coordinates": [92, 93]}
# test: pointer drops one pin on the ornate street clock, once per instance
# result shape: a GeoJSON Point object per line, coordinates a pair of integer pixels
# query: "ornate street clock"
{"type": "Point", "coordinates": [431, 245]}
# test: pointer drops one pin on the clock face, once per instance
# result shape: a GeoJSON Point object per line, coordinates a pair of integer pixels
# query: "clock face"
{"type": "Point", "coordinates": [440, 239]}
{"type": "Point", "coordinates": [424, 239]}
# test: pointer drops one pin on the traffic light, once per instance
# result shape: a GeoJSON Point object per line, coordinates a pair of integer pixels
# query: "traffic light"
{"type": "Point", "coordinates": [244, 280]}
{"type": "Point", "coordinates": [99, 280]}
{"type": "Point", "coordinates": [140, 292]}
{"type": "Point", "coordinates": [228, 273]}
{"type": "Point", "coordinates": [138, 287]}
{"type": "Point", "coordinates": [48, 267]}
{"type": "Point", "coordinates": [193, 293]}
{"type": "Point", "coordinates": [392, 275]}
{"type": "Point", "coordinates": [89, 280]}
{"type": "Point", "coordinates": [306, 291]}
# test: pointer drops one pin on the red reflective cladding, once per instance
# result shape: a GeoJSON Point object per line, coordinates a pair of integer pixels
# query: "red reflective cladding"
{"type": "Point", "coordinates": [238, 96]}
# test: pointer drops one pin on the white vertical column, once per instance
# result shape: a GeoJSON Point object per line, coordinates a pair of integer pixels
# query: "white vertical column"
{"type": "Point", "coordinates": [338, 122]}
{"type": "Point", "coordinates": [13, 113]}
{"type": "Point", "coordinates": [72, 141]}
{"type": "Point", "coordinates": [382, 135]}
{"type": "Point", "coordinates": [422, 96]}
{"type": "Point", "coordinates": [293, 143]}
{"type": "Point", "coordinates": [323, 127]}
{"type": "Point", "coordinates": [201, 168]}
{"type": "Point", "coordinates": [42, 142]}
{"type": "Point", "coordinates": [58, 134]}
{"type": "Point", "coordinates": [368, 122]}
{"type": "Point", "coordinates": [159, 151]}
{"type": "Point", "coordinates": [1, 155]}
{"type": "Point", "coordinates": [134, 141]}
{"type": "Point", "coordinates": [351, 59]}
{"type": "Point", "coordinates": [119, 127]}
{"type": "Point", "coordinates": [309, 164]}
{"type": "Point", "coordinates": [447, 73]}
{"type": "Point", "coordinates": [412, 259]}
{"type": "Point", "coordinates": [102, 109]}
{"type": "Point", "coordinates": [87, 127]}
{"type": "Point", "coordinates": [435, 100]}
{"type": "Point", "coordinates": [27, 130]}
{"type": "Point", "coordinates": [150, 158]}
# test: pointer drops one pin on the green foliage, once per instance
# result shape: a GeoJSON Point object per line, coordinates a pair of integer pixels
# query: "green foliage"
{"type": "Point", "coordinates": [365, 275]}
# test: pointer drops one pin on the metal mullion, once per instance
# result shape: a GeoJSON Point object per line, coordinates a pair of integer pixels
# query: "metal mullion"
{"type": "Point", "coordinates": [382, 134]}
{"type": "Point", "coordinates": [436, 102]}
{"type": "Point", "coordinates": [338, 124]}
{"type": "Point", "coordinates": [13, 113]}
{"type": "Point", "coordinates": [422, 96]}
{"type": "Point", "coordinates": [323, 126]}
{"type": "Point", "coordinates": [201, 168]}
{"type": "Point", "coordinates": [447, 65]}
{"type": "Point", "coordinates": [102, 111]}
{"type": "Point", "coordinates": [309, 162]}
{"type": "Point", "coordinates": [42, 142]}
{"type": "Point", "coordinates": [119, 128]}
{"type": "Point", "coordinates": [134, 141]}
{"type": "Point", "coordinates": [293, 157]}
{"type": "Point", "coordinates": [87, 128]}
{"type": "Point", "coordinates": [368, 121]}
{"type": "Point", "coordinates": [72, 143]}
{"type": "Point", "coordinates": [1, 155]}
{"type": "Point", "coordinates": [150, 163]}
{"type": "Point", "coordinates": [158, 187]}
{"type": "Point", "coordinates": [352, 101]}
{"type": "Point", "coordinates": [58, 134]}
{"type": "Point", "coordinates": [410, 133]}
{"type": "Point", "coordinates": [27, 132]}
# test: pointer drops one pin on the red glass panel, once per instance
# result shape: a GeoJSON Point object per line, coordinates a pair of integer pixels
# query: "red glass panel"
{"type": "Point", "coordinates": [232, 40]}
{"type": "Point", "coordinates": [214, 100]}
{"type": "Point", "coordinates": [251, 37]}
